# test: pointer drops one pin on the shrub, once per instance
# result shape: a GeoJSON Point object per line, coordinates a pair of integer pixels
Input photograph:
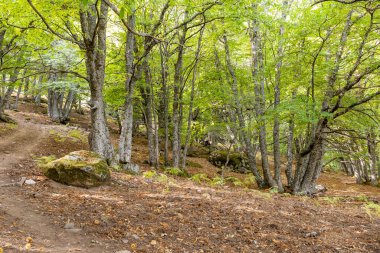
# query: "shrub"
{"type": "Point", "coordinates": [176, 172]}
{"type": "Point", "coordinates": [200, 177]}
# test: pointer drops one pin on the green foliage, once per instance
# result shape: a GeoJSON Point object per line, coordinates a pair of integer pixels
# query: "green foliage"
{"type": "Point", "coordinates": [45, 159]}
{"type": "Point", "coordinates": [235, 181]}
{"type": "Point", "coordinates": [362, 198]}
{"type": "Point", "coordinates": [332, 200]}
{"type": "Point", "coordinates": [176, 172]}
{"type": "Point", "coordinates": [200, 178]}
{"type": "Point", "coordinates": [372, 209]}
{"type": "Point", "coordinates": [5, 127]}
{"type": "Point", "coordinates": [217, 181]}
{"type": "Point", "coordinates": [273, 190]}
{"type": "Point", "coordinates": [262, 194]}
{"type": "Point", "coordinates": [149, 174]}
{"type": "Point", "coordinates": [249, 180]}
{"type": "Point", "coordinates": [78, 135]}
{"type": "Point", "coordinates": [57, 136]}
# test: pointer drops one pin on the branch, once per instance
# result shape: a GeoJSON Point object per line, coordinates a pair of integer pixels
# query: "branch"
{"type": "Point", "coordinates": [125, 22]}
{"type": "Point", "coordinates": [61, 36]}
{"type": "Point", "coordinates": [340, 1]}
{"type": "Point", "coordinates": [352, 106]}
{"type": "Point", "coordinates": [202, 12]}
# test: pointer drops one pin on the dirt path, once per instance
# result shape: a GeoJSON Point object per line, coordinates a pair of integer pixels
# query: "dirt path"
{"type": "Point", "coordinates": [26, 221]}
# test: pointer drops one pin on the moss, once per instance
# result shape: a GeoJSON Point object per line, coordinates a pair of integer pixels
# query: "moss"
{"type": "Point", "coordinates": [80, 168]}
{"type": "Point", "coordinates": [77, 135]}
{"type": "Point", "coordinates": [197, 150]}
{"type": "Point", "coordinates": [237, 161]}
{"type": "Point", "coordinates": [45, 159]}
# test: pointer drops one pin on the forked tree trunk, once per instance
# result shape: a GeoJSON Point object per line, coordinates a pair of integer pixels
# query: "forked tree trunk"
{"type": "Point", "coordinates": [309, 161]}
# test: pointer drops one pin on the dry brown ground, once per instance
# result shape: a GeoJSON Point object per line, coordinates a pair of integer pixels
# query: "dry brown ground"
{"type": "Point", "coordinates": [173, 215]}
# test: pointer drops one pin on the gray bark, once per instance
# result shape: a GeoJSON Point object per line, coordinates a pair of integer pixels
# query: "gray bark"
{"type": "Point", "coordinates": [257, 61]}
{"type": "Point", "coordinates": [164, 103]}
{"type": "Point", "coordinates": [94, 32]}
{"type": "Point", "coordinates": [15, 104]}
{"type": "Point", "coordinates": [251, 153]}
{"type": "Point", "coordinates": [178, 82]}
{"type": "Point", "coordinates": [277, 97]}
{"type": "Point", "coordinates": [125, 141]}
{"type": "Point", "coordinates": [371, 146]}
{"type": "Point", "coordinates": [192, 95]}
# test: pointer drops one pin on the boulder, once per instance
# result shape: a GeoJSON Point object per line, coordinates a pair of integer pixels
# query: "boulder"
{"type": "Point", "coordinates": [198, 150]}
{"type": "Point", "coordinates": [80, 168]}
{"type": "Point", "coordinates": [237, 161]}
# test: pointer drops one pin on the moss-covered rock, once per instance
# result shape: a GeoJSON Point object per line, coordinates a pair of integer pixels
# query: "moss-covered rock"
{"type": "Point", "coordinates": [197, 150]}
{"type": "Point", "coordinates": [237, 161]}
{"type": "Point", "coordinates": [80, 168]}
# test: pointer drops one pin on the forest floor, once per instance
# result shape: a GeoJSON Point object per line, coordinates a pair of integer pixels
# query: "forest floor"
{"type": "Point", "coordinates": [165, 214]}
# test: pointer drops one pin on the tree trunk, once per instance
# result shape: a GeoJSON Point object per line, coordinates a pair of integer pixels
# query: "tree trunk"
{"type": "Point", "coordinates": [37, 98]}
{"type": "Point", "coordinates": [309, 161]}
{"type": "Point", "coordinates": [26, 88]}
{"type": "Point", "coordinates": [371, 145]}
{"type": "Point", "coordinates": [257, 61]}
{"type": "Point", "coordinates": [94, 30]}
{"type": "Point", "coordinates": [125, 141]}
{"type": "Point", "coordinates": [192, 94]}
{"type": "Point", "coordinates": [251, 153]}
{"type": "Point", "coordinates": [4, 102]}
{"type": "Point", "coordinates": [164, 103]}
{"type": "Point", "coordinates": [147, 94]}
{"type": "Point", "coordinates": [65, 111]}
{"type": "Point", "coordinates": [178, 82]}
{"type": "Point", "coordinates": [289, 153]}
{"type": "Point", "coordinates": [277, 97]}
{"type": "Point", "coordinates": [15, 105]}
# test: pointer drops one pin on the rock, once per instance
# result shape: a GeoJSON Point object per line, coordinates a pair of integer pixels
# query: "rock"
{"type": "Point", "coordinates": [198, 150]}
{"type": "Point", "coordinates": [237, 161]}
{"type": "Point", "coordinates": [30, 182]}
{"type": "Point", "coordinates": [312, 234]}
{"type": "Point", "coordinates": [320, 188]}
{"type": "Point", "coordinates": [123, 251]}
{"type": "Point", "coordinates": [131, 168]}
{"type": "Point", "coordinates": [69, 225]}
{"type": "Point", "coordinates": [74, 230]}
{"type": "Point", "coordinates": [136, 237]}
{"type": "Point", "coordinates": [80, 168]}
{"type": "Point", "coordinates": [22, 181]}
